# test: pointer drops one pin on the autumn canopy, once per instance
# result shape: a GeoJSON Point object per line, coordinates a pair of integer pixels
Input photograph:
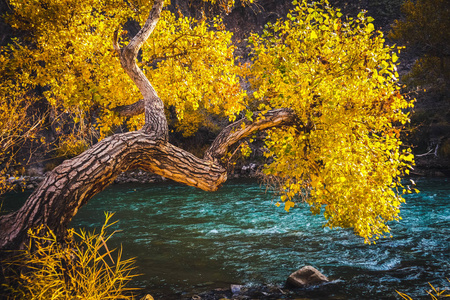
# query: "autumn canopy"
{"type": "Point", "coordinates": [322, 87]}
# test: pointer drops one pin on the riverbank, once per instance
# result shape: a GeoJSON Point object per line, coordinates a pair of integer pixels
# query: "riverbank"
{"type": "Point", "coordinates": [247, 170]}
{"type": "Point", "coordinates": [426, 166]}
{"type": "Point", "coordinates": [262, 292]}
{"type": "Point", "coordinates": [431, 166]}
{"type": "Point", "coordinates": [194, 243]}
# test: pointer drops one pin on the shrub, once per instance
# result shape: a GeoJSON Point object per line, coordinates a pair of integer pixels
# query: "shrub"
{"type": "Point", "coordinates": [434, 293]}
{"type": "Point", "coordinates": [81, 267]}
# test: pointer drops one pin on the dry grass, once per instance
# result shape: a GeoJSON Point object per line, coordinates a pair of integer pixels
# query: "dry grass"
{"type": "Point", "coordinates": [434, 293]}
{"type": "Point", "coordinates": [82, 267]}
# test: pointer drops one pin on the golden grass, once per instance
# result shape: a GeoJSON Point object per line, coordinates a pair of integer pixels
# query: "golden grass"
{"type": "Point", "coordinates": [81, 267]}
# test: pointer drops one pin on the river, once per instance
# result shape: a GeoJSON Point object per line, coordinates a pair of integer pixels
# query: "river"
{"type": "Point", "coordinates": [188, 241]}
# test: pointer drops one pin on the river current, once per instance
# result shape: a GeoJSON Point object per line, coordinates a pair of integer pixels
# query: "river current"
{"type": "Point", "coordinates": [187, 241]}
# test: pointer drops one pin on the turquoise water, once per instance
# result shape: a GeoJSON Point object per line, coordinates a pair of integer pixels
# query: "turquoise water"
{"type": "Point", "coordinates": [188, 241]}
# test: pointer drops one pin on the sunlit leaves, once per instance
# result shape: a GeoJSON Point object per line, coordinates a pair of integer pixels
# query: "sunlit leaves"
{"type": "Point", "coordinates": [343, 155]}
{"type": "Point", "coordinates": [340, 79]}
{"type": "Point", "coordinates": [288, 204]}
{"type": "Point", "coordinates": [192, 66]}
{"type": "Point", "coordinates": [18, 126]}
{"type": "Point", "coordinates": [68, 53]}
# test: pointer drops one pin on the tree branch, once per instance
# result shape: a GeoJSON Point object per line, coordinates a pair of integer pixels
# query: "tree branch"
{"type": "Point", "coordinates": [155, 119]}
{"type": "Point", "coordinates": [70, 185]}
{"type": "Point", "coordinates": [143, 34]}
{"type": "Point", "coordinates": [236, 131]}
{"type": "Point", "coordinates": [116, 42]}
{"type": "Point", "coordinates": [130, 110]}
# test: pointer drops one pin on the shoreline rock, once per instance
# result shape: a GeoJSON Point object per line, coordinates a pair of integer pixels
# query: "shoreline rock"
{"type": "Point", "coordinates": [425, 167]}
{"type": "Point", "coordinates": [306, 276]}
{"type": "Point", "coordinates": [314, 285]}
{"type": "Point", "coordinates": [138, 176]}
{"type": "Point", "coordinates": [263, 292]}
{"type": "Point", "coordinates": [250, 170]}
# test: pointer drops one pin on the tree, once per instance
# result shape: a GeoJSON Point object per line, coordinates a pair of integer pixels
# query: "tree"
{"type": "Point", "coordinates": [423, 30]}
{"type": "Point", "coordinates": [325, 89]}
{"type": "Point", "coordinates": [345, 147]}
{"type": "Point", "coordinates": [17, 127]}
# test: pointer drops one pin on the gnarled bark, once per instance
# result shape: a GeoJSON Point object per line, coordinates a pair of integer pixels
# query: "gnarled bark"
{"type": "Point", "coordinates": [155, 119]}
{"type": "Point", "coordinates": [136, 108]}
{"type": "Point", "coordinates": [69, 186]}
{"type": "Point", "coordinates": [235, 132]}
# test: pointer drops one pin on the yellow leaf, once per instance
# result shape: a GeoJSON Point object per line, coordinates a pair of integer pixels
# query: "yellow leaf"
{"type": "Point", "coordinates": [288, 205]}
{"type": "Point", "coordinates": [394, 57]}
{"type": "Point", "coordinates": [370, 27]}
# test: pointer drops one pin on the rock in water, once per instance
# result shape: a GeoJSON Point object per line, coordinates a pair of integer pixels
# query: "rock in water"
{"type": "Point", "coordinates": [235, 289]}
{"type": "Point", "coordinates": [306, 276]}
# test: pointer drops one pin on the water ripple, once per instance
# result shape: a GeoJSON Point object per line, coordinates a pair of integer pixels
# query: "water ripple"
{"type": "Point", "coordinates": [185, 239]}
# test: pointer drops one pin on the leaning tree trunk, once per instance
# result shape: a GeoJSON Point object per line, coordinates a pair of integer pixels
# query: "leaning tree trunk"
{"type": "Point", "coordinates": [69, 186]}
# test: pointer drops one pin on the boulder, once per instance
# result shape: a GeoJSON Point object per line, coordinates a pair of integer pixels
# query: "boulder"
{"type": "Point", "coordinates": [236, 289]}
{"type": "Point", "coordinates": [306, 276]}
{"type": "Point", "coordinates": [36, 171]}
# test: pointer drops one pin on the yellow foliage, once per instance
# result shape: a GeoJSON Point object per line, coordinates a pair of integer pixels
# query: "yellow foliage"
{"type": "Point", "coordinates": [71, 145]}
{"type": "Point", "coordinates": [69, 53]}
{"type": "Point", "coordinates": [434, 293]}
{"type": "Point", "coordinates": [17, 127]}
{"type": "Point", "coordinates": [83, 269]}
{"type": "Point", "coordinates": [245, 149]}
{"type": "Point", "coordinates": [192, 66]}
{"type": "Point", "coordinates": [341, 80]}
{"type": "Point", "coordinates": [190, 123]}
{"type": "Point", "coordinates": [337, 74]}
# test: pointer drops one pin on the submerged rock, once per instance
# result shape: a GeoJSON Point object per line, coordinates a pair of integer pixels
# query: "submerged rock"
{"type": "Point", "coordinates": [235, 288]}
{"type": "Point", "coordinates": [138, 176]}
{"type": "Point", "coordinates": [305, 276]}
{"type": "Point", "coordinates": [265, 292]}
